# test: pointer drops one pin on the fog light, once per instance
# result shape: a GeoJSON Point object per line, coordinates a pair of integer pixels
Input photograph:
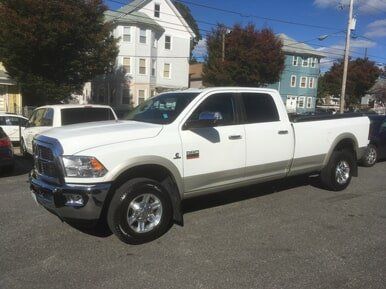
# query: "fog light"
{"type": "Point", "coordinates": [74, 200]}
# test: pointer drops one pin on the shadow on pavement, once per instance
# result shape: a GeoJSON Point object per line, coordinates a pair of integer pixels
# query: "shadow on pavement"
{"type": "Point", "coordinates": [250, 192]}
{"type": "Point", "coordinates": [23, 165]}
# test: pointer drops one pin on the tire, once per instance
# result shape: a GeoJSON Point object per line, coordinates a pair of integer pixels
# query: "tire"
{"type": "Point", "coordinates": [134, 222]}
{"type": "Point", "coordinates": [23, 150]}
{"type": "Point", "coordinates": [336, 176]}
{"type": "Point", "coordinates": [370, 157]}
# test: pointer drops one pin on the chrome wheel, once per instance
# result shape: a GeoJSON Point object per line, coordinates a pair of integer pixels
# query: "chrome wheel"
{"type": "Point", "coordinates": [144, 213]}
{"type": "Point", "coordinates": [371, 156]}
{"type": "Point", "coordinates": [342, 172]}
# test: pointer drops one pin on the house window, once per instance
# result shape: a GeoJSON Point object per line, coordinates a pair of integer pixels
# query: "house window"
{"type": "Point", "coordinates": [293, 80]}
{"type": "Point", "coordinates": [142, 66]}
{"type": "Point", "coordinates": [166, 73]}
{"type": "Point", "coordinates": [168, 42]}
{"type": "Point", "coordinates": [126, 64]}
{"type": "Point", "coordinates": [294, 60]}
{"type": "Point", "coordinates": [305, 62]}
{"type": "Point", "coordinates": [154, 40]}
{"type": "Point", "coordinates": [303, 82]}
{"type": "Point", "coordinates": [309, 102]}
{"type": "Point", "coordinates": [153, 67]}
{"type": "Point", "coordinates": [313, 62]}
{"type": "Point", "coordinates": [127, 34]}
{"type": "Point", "coordinates": [311, 82]}
{"type": "Point", "coordinates": [301, 102]}
{"type": "Point", "coordinates": [152, 92]}
{"type": "Point", "coordinates": [142, 36]}
{"type": "Point", "coordinates": [141, 96]}
{"type": "Point", "coordinates": [157, 10]}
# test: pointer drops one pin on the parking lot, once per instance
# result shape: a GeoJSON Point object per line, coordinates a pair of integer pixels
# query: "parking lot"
{"type": "Point", "coordinates": [288, 234]}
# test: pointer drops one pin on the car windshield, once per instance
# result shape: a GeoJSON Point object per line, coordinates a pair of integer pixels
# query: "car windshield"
{"type": "Point", "coordinates": [162, 109]}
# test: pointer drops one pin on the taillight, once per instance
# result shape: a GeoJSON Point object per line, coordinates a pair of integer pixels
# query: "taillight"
{"type": "Point", "coordinates": [5, 142]}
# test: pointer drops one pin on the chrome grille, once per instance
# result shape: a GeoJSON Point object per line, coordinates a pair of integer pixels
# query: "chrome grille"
{"type": "Point", "coordinates": [45, 161]}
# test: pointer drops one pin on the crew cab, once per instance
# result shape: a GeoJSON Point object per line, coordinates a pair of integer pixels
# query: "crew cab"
{"type": "Point", "coordinates": [134, 173]}
{"type": "Point", "coordinates": [49, 116]}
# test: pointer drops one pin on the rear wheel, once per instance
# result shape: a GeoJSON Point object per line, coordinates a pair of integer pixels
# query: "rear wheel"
{"type": "Point", "coordinates": [370, 157]}
{"type": "Point", "coordinates": [140, 211]}
{"type": "Point", "coordinates": [23, 150]}
{"type": "Point", "coordinates": [336, 176]}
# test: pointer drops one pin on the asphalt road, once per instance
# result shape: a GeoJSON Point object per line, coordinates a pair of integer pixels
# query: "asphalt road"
{"type": "Point", "coordinates": [287, 234]}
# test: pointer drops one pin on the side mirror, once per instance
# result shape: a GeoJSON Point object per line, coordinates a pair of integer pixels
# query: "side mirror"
{"type": "Point", "coordinates": [205, 119]}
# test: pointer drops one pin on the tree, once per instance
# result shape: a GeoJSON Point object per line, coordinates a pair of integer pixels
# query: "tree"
{"type": "Point", "coordinates": [51, 48]}
{"type": "Point", "coordinates": [187, 15]}
{"type": "Point", "coordinates": [379, 90]}
{"type": "Point", "coordinates": [362, 74]}
{"type": "Point", "coordinates": [252, 57]}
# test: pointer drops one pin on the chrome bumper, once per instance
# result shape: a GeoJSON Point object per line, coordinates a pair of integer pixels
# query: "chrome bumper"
{"type": "Point", "coordinates": [55, 198]}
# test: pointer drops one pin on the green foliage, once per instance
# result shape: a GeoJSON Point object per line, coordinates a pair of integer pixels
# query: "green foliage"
{"type": "Point", "coordinates": [362, 74]}
{"type": "Point", "coordinates": [252, 57]}
{"type": "Point", "coordinates": [51, 48]}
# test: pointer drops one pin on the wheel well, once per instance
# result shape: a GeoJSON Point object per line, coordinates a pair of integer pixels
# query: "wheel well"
{"type": "Point", "coordinates": [345, 144]}
{"type": "Point", "coordinates": [154, 172]}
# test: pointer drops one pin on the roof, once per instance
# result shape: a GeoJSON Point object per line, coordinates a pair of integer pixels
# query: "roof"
{"type": "Point", "coordinates": [132, 18]}
{"type": "Point", "coordinates": [12, 114]}
{"type": "Point", "coordinates": [64, 106]}
{"type": "Point", "coordinates": [130, 14]}
{"type": "Point", "coordinates": [195, 71]}
{"type": "Point", "coordinates": [292, 46]}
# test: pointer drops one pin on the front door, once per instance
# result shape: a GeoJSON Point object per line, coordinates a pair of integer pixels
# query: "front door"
{"type": "Point", "coordinates": [214, 156]}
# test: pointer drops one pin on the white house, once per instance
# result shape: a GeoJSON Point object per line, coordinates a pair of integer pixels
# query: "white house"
{"type": "Point", "coordinates": [154, 49]}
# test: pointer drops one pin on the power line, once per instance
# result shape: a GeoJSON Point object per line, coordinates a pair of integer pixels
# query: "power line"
{"type": "Point", "coordinates": [256, 16]}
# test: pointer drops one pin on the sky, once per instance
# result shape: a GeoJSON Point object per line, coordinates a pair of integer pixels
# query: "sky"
{"type": "Point", "coordinates": [330, 15]}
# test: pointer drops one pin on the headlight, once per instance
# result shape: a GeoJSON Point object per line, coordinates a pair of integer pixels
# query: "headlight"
{"type": "Point", "coordinates": [83, 167]}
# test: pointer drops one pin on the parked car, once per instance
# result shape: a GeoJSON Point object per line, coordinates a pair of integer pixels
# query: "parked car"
{"type": "Point", "coordinates": [10, 124]}
{"type": "Point", "coordinates": [182, 144]}
{"type": "Point", "coordinates": [7, 161]}
{"type": "Point", "coordinates": [50, 116]}
{"type": "Point", "coordinates": [377, 147]}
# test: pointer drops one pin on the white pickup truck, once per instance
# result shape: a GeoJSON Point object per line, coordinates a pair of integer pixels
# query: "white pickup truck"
{"type": "Point", "coordinates": [135, 173]}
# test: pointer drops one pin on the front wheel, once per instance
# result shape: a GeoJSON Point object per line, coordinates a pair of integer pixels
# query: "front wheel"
{"type": "Point", "coordinates": [336, 176]}
{"type": "Point", "coordinates": [140, 211]}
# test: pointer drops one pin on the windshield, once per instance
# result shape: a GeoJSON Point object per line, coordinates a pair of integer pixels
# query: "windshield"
{"type": "Point", "coordinates": [162, 109]}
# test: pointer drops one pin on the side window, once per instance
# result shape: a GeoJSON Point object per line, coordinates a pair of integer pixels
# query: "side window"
{"type": "Point", "coordinates": [48, 117]}
{"type": "Point", "coordinates": [383, 126]}
{"type": "Point", "coordinates": [222, 103]}
{"type": "Point", "coordinates": [259, 108]}
{"type": "Point", "coordinates": [38, 119]}
{"type": "Point", "coordinates": [2, 120]}
{"type": "Point", "coordinates": [11, 120]}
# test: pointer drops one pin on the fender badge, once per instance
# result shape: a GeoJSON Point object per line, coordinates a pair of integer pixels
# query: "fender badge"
{"type": "Point", "coordinates": [177, 156]}
{"type": "Point", "coordinates": [192, 154]}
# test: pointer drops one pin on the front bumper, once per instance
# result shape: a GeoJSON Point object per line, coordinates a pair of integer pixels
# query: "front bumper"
{"type": "Point", "coordinates": [55, 198]}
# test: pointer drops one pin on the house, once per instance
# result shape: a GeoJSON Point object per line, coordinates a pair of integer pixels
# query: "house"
{"type": "Point", "coordinates": [10, 96]}
{"type": "Point", "coordinates": [299, 81]}
{"type": "Point", "coordinates": [195, 75]}
{"type": "Point", "coordinates": [154, 51]}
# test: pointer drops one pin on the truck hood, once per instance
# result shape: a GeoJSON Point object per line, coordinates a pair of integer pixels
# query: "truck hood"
{"type": "Point", "coordinates": [78, 137]}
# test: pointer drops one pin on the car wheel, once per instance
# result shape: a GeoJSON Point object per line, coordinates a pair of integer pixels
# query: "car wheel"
{"type": "Point", "coordinates": [23, 149]}
{"type": "Point", "coordinates": [140, 211]}
{"type": "Point", "coordinates": [370, 157]}
{"type": "Point", "coordinates": [336, 176]}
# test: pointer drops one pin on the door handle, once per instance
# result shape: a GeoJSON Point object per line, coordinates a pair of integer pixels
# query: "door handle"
{"type": "Point", "coordinates": [234, 137]}
{"type": "Point", "coordinates": [283, 132]}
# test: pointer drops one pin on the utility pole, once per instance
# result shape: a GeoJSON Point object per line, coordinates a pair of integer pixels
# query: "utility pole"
{"type": "Point", "coordinates": [223, 44]}
{"type": "Point", "coordinates": [350, 26]}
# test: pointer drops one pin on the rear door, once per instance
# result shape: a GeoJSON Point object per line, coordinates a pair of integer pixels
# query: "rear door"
{"type": "Point", "coordinates": [269, 140]}
{"type": "Point", "coordinates": [10, 125]}
{"type": "Point", "coordinates": [214, 156]}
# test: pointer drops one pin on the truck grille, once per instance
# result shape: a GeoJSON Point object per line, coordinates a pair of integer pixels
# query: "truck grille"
{"type": "Point", "coordinates": [45, 161]}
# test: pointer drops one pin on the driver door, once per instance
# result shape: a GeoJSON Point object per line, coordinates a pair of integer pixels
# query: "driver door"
{"type": "Point", "coordinates": [213, 156]}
